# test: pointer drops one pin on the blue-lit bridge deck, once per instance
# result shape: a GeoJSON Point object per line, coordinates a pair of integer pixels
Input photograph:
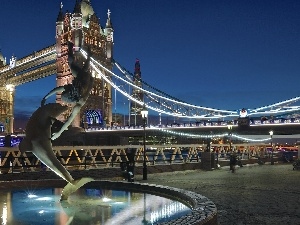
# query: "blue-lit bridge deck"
{"type": "Point", "coordinates": [288, 126]}
{"type": "Point", "coordinates": [185, 133]}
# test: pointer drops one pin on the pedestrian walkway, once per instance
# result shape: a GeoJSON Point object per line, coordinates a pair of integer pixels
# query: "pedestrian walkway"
{"type": "Point", "coordinates": [254, 195]}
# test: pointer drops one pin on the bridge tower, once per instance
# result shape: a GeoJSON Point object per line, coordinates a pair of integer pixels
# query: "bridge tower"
{"type": "Point", "coordinates": [83, 28]}
{"type": "Point", "coordinates": [7, 93]}
{"type": "Point", "coordinates": [135, 109]}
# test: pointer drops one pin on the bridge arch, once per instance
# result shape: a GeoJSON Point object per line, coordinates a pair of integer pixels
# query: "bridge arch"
{"type": "Point", "coordinates": [93, 118]}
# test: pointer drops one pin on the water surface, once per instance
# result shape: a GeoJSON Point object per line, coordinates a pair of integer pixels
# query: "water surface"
{"type": "Point", "coordinates": [86, 207]}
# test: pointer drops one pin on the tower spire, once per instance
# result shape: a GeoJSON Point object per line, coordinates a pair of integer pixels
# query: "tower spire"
{"type": "Point", "coordinates": [109, 32]}
{"type": "Point", "coordinates": [108, 22]}
{"type": "Point", "coordinates": [60, 16]}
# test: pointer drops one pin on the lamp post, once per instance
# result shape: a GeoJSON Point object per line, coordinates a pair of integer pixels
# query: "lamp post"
{"type": "Point", "coordinates": [271, 135]}
{"type": "Point", "coordinates": [159, 118]}
{"type": "Point", "coordinates": [144, 113]}
{"type": "Point", "coordinates": [124, 115]}
{"type": "Point", "coordinates": [116, 103]}
{"type": "Point", "coordinates": [115, 106]}
{"type": "Point", "coordinates": [229, 126]}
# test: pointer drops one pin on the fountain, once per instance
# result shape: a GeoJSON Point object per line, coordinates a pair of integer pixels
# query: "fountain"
{"type": "Point", "coordinates": [87, 200]}
{"type": "Point", "coordinates": [103, 202]}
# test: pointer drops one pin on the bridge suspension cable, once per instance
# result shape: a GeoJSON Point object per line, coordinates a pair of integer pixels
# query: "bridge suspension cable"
{"type": "Point", "coordinates": [167, 105]}
{"type": "Point", "coordinates": [161, 102]}
{"type": "Point", "coordinates": [281, 108]}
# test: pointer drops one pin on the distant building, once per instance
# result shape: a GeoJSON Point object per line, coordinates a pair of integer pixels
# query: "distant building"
{"type": "Point", "coordinates": [135, 108]}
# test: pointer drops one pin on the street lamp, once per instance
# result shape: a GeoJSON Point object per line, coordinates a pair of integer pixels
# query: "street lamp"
{"type": "Point", "coordinates": [144, 114]}
{"type": "Point", "coordinates": [271, 135]}
{"type": "Point", "coordinates": [229, 126]}
{"type": "Point", "coordinates": [124, 115]}
{"type": "Point", "coordinates": [116, 103]}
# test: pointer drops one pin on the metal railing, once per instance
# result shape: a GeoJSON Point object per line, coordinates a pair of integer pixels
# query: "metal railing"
{"type": "Point", "coordinates": [93, 157]}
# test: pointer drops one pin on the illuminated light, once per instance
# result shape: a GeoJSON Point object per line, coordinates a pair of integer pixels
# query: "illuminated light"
{"type": "Point", "coordinates": [31, 196]}
{"type": "Point", "coordinates": [10, 87]}
{"type": "Point", "coordinates": [166, 211]}
{"type": "Point", "coordinates": [105, 199]}
{"type": "Point", "coordinates": [212, 136]}
{"type": "Point", "coordinates": [4, 214]}
{"type": "Point", "coordinates": [119, 203]}
{"type": "Point", "coordinates": [41, 212]}
{"type": "Point", "coordinates": [44, 199]}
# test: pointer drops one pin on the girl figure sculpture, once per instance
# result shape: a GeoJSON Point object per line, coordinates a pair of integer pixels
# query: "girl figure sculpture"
{"type": "Point", "coordinates": [75, 93]}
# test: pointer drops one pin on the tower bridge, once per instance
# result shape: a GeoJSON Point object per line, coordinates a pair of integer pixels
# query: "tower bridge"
{"type": "Point", "coordinates": [82, 27]}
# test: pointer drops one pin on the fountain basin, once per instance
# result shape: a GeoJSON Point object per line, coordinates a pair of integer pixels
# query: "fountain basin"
{"type": "Point", "coordinates": [200, 209]}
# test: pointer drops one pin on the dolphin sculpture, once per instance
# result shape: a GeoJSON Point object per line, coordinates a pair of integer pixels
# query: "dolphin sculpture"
{"type": "Point", "coordinates": [75, 93]}
{"type": "Point", "coordinates": [38, 141]}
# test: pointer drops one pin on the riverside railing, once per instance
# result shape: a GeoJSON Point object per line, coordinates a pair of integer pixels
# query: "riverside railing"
{"type": "Point", "coordinates": [93, 157]}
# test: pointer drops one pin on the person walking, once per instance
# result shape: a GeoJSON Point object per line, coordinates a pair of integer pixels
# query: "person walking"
{"type": "Point", "coordinates": [232, 162]}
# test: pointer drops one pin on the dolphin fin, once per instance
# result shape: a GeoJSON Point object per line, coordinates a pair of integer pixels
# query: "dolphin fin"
{"type": "Point", "coordinates": [74, 186]}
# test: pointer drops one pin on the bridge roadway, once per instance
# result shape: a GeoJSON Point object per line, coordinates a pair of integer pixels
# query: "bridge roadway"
{"type": "Point", "coordinates": [37, 65]}
{"type": "Point", "coordinates": [122, 135]}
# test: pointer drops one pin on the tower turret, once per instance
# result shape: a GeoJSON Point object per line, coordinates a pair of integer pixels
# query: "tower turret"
{"type": "Point", "coordinates": [109, 31]}
{"type": "Point", "coordinates": [59, 28]}
{"type": "Point", "coordinates": [60, 22]}
{"type": "Point", "coordinates": [76, 25]}
{"type": "Point", "coordinates": [12, 61]}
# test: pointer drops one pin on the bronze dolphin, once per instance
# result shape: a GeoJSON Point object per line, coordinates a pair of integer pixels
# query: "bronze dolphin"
{"type": "Point", "coordinates": [38, 141]}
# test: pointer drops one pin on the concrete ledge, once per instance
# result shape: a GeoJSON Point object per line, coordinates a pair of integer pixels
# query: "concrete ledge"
{"type": "Point", "coordinates": [101, 173]}
{"type": "Point", "coordinates": [204, 211]}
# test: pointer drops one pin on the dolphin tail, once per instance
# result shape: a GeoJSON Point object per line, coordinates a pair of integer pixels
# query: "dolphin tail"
{"type": "Point", "coordinates": [74, 186]}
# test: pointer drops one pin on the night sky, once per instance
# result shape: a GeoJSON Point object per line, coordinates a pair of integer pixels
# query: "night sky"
{"type": "Point", "coordinates": [214, 53]}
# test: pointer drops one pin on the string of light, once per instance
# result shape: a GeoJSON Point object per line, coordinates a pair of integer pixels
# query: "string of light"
{"type": "Point", "coordinates": [214, 113]}
{"type": "Point", "coordinates": [238, 137]}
